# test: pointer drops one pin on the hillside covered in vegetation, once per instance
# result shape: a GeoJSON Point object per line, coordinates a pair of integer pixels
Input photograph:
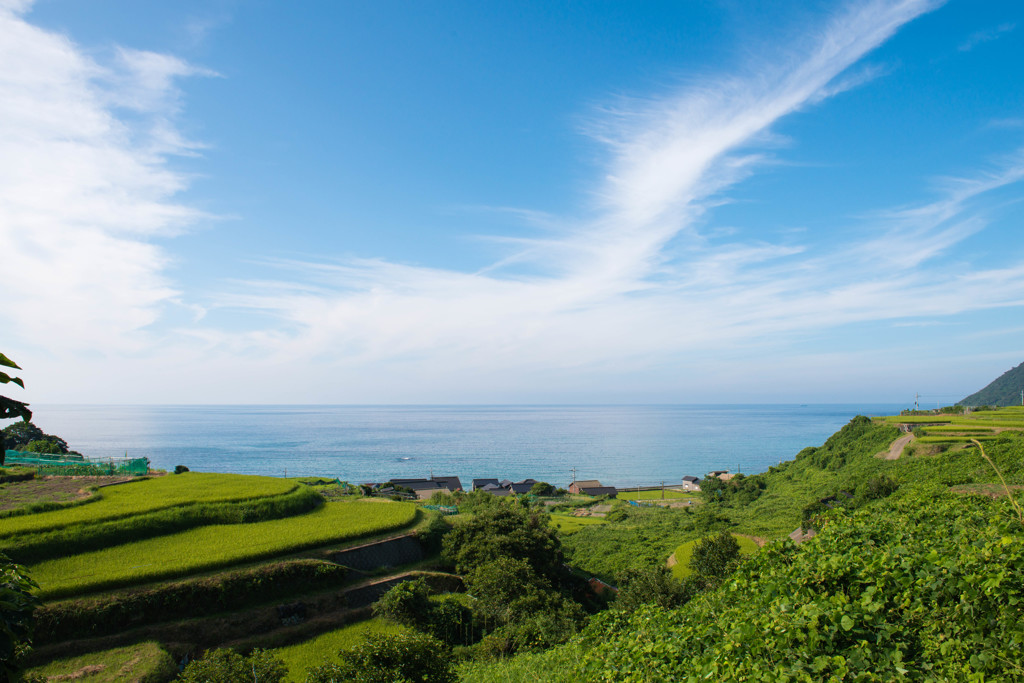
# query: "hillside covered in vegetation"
{"type": "Point", "coordinates": [1002, 391]}
{"type": "Point", "coordinates": [909, 565]}
{"type": "Point", "coordinates": [916, 573]}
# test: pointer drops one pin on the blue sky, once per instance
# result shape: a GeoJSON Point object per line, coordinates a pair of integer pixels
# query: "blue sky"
{"type": "Point", "coordinates": [534, 202]}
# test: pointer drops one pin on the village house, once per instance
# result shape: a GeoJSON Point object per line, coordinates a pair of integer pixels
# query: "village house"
{"type": "Point", "coordinates": [691, 483]}
{"type": "Point", "coordinates": [425, 488]}
{"type": "Point", "coordinates": [610, 491]}
{"type": "Point", "coordinates": [576, 486]}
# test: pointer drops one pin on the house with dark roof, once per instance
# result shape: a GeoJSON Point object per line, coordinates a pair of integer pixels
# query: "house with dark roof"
{"type": "Point", "coordinates": [450, 483]}
{"type": "Point", "coordinates": [691, 483]}
{"type": "Point", "coordinates": [610, 491]}
{"type": "Point", "coordinates": [481, 483]}
{"type": "Point", "coordinates": [425, 488]}
{"type": "Point", "coordinates": [521, 487]}
{"type": "Point", "coordinates": [576, 486]}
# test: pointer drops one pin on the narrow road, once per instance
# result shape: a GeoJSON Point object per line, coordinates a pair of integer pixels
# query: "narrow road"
{"type": "Point", "coordinates": [897, 447]}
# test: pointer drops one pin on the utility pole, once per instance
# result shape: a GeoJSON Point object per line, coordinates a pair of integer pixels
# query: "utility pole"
{"type": "Point", "coordinates": [573, 475]}
{"type": "Point", "coordinates": [916, 396]}
{"type": "Point", "coordinates": [663, 490]}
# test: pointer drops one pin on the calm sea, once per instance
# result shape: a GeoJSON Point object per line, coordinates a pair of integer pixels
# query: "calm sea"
{"type": "Point", "coordinates": [619, 445]}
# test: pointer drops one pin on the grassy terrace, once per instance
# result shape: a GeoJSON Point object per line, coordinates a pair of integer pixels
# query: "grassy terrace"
{"type": "Point", "coordinates": [217, 546]}
{"type": "Point", "coordinates": [138, 497]}
{"type": "Point", "coordinates": [982, 425]}
{"type": "Point", "coordinates": [681, 568]}
{"type": "Point", "coordinates": [567, 524]}
{"type": "Point", "coordinates": [141, 662]}
{"type": "Point", "coordinates": [324, 648]}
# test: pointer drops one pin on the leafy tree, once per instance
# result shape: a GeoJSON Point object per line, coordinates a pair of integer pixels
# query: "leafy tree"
{"type": "Point", "coordinates": [227, 666]}
{"type": "Point", "coordinates": [407, 603]}
{"type": "Point", "coordinates": [652, 585]}
{"type": "Point", "coordinates": [506, 586]}
{"type": "Point", "coordinates": [389, 658]}
{"type": "Point", "coordinates": [529, 613]}
{"type": "Point", "coordinates": [712, 488]}
{"type": "Point", "coordinates": [16, 605]}
{"type": "Point", "coordinates": [542, 488]}
{"type": "Point", "coordinates": [9, 408]}
{"type": "Point", "coordinates": [431, 536]}
{"type": "Point", "coordinates": [714, 557]}
{"type": "Point", "coordinates": [505, 530]}
{"type": "Point", "coordinates": [43, 446]}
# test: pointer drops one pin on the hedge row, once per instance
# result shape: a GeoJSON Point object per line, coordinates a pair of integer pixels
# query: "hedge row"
{"type": "Point", "coordinates": [91, 617]}
{"type": "Point", "coordinates": [16, 474]}
{"type": "Point", "coordinates": [80, 538]}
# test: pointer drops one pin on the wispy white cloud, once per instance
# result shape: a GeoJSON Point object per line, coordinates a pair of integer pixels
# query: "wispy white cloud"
{"type": "Point", "coordinates": [640, 282]}
{"type": "Point", "coordinates": [638, 287]}
{"type": "Point", "coordinates": [82, 191]}
{"type": "Point", "coordinates": [988, 35]}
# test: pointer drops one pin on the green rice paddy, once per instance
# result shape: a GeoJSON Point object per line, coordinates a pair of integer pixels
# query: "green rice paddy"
{"type": "Point", "coordinates": [133, 498]}
{"type": "Point", "coordinates": [216, 546]}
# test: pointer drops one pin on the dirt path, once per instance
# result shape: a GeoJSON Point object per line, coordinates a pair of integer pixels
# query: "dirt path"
{"type": "Point", "coordinates": [896, 448]}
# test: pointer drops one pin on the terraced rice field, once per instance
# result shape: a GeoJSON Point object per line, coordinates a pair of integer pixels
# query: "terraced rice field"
{"type": "Point", "coordinates": [953, 429]}
{"type": "Point", "coordinates": [137, 497]}
{"type": "Point", "coordinates": [216, 546]}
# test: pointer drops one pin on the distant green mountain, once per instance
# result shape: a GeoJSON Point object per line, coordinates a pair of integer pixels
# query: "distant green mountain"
{"type": "Point", "coordinates": [1005, 391]}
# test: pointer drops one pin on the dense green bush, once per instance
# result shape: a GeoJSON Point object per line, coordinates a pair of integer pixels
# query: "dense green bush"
{"type": "Point", "coordinates": [859, 436]}
{"type": "Point", "coordinates": [505, 530]}
{"type": "Point", "coordinates": [923, 589]}
{"type": "Point", "coordinates": [90, 617]}
{"type": "Point", "coordinates": [542, 488]}
{"type": "Point", "coordinates": [652, 585]}
{"type": "Point", "coordinates": [408, 603]}
{"type": "Point", "coordinates": [389, 658]}
{"type": "Point", "coordinates": [16, 606]}
{"type": "Point", "coordinates": [432, 535]}
{"type": "Point", "coordinates": [713, 558]}
{"type": "Point", "coordinates": [227, 666]}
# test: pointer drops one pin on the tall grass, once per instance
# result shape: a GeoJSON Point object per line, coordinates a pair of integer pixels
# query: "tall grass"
{"type": "Point", "coordinates": [1009, 494]}
{"type": "Point", "coordinates": [214, 547]}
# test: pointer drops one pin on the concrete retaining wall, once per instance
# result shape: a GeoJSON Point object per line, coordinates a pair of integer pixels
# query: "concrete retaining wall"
{"type": "Point", "coordinates": [388, 553]}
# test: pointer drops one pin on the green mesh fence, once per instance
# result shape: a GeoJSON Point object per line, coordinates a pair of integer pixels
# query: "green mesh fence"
{"type": "Point", "coordinates": [65, 466]}
{"type": "Point", "coordinates": [443, 509]}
